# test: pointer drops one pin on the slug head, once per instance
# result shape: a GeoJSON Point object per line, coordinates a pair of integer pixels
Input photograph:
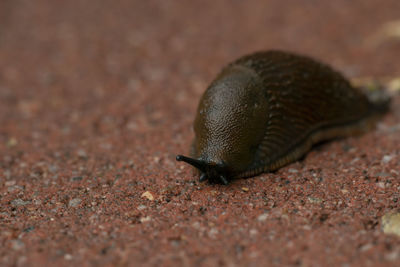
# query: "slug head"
{"type": "Point", "coordinates": [229, 125]}
{"type": "Point", "coordinates": [213, 172]}
{"type": "Point", "coordinates": [231, 121]}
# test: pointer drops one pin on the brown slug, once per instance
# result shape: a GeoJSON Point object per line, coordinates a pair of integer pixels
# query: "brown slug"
{"type": "Point", "coordinates": [267, 109]}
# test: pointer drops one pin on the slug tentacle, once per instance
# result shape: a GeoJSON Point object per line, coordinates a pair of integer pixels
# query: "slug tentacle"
{"type": "Point", "coordinates": [268, 109]}
{"type": "Point", "coordinates": [194, 162]}
{"type": "Point", "coordinates": [210, 171]}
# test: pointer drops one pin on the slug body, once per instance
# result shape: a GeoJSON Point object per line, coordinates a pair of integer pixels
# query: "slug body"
{"type": "Point", "coordinates": [267, 109]}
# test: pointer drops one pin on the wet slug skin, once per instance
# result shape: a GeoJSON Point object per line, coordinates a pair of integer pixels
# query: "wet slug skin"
{"type": "Point", "coordinates": [267, 109]}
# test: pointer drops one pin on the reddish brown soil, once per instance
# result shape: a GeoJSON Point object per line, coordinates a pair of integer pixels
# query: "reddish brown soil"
{"type": "Point", "coordinates": [97, 98]}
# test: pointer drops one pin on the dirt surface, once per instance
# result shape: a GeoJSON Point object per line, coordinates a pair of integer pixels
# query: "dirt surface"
{"type": "Point", "coordinates": [97, 98]}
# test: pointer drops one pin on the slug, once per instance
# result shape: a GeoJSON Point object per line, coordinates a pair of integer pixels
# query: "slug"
{"type": "Point", "coordinates": [268, 109]}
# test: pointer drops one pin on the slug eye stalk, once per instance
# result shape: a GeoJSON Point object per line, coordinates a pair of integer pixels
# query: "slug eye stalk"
{"type": "Point", "coordinates": [211, 172]}
{"type": "Point", "coordinates": [201, 165]}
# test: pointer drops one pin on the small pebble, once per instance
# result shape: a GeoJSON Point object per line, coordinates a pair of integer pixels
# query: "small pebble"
{"type": "Point", "coordinates": [148, 195]}
{"type": "Point", "coordinates": [12, 142]}
{"type": "Point", "coordinates": [145, 219]}
{"type": "Point", "coordinates": [213, 233]}
{"type": "Point", "coordinates": [381, 184]}
{"type": "Point", "coordinates": [366, 247]}
{"type": "Point", "coordinates": [391, 223]}
{"type": "Point", "coordinates": [74, 202]}
{"type": "Point", "coordinates": [53, 168]}
{"type": "Point", "coordinates": [392, 256]}
{"type": "Point", "coordinates": [387, 158]}
{"type": "Point", "coordinates": [77, 178]}
{"type": "Point", "coordinates": [196, 225]}
{"type": "Point", "coordinates": [315, 200]}
{"type": "Point", "coordinates": [19, 202]}
{"type": "Point", "coordinates": [253, 232]}
{"type": "Point", "coordinates": [10, 183]}
{"type": "Point", "coordinates": [262, 217]}
{"type": "Point", "coordinates": [245, 189]}
{"type": "Point", "coordinates": [394, 85]}
{"type": "Point", "coordinates": [82, 154]}
{"type": "Point", "coordinates": [141, 207]}
{"type": "Point", "coordinates": [14, 188]}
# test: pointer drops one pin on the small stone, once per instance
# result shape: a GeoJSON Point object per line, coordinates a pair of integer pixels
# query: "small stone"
{"type": "Point", "coordinates": [315, 200]}
{"type": "Point", "coordinates": [77, 178]}
{"type": "Point", "coordinates": [366, 247]}
{"type": "Point", "coordinates": [74, 202]}
{"type": "Point", "coordinates": [14, 188]}
{"type": "Point", "coordinates": [387, 158]}
{"type": "Point", "coordinates": [196, 225]}
{"type": "Point", "coordinates": [145, 219]}
{"type": "Point", "coordinates": [213, 233]}
{"type": "Point", "coordinates": [392, 171]}
{"type": "Point", "coordinates": [291, 170]}
{"type": "Point", "coordinates": [19, 202]}
{"type": "Point", "coordinates": [245, 189]}
{"type": "Point", "coordinates": [12, 142]}
{"type": "Point", "coordinates": [148, 195]}
{"type": "Point", "coordinates": [381, 184]}
{"type": "Point", "coordinates": [82, 154]}
{"type": "Point", "coordinates": [392, 256]}
{"type": "Point", "coordinates": [253, 232]}
{"type": "Point", "coordinates": [394, 85]}
{"type": "Point", "coordinates": [68, 257]}
{"type": "Point", "coordinates": [10, 183]}
{"type": "Point", "coordinates": [53, 168]}
{"type": "Point", "coordinates": [391, 223]}
{"type": "Point", "coordinates": [262, 217]}
{"type": "Point", "coordinates": [141, 207]}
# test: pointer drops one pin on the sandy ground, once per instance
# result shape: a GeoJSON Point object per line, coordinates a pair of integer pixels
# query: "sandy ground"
{"type": "Point", "coordinates": [97, 98]}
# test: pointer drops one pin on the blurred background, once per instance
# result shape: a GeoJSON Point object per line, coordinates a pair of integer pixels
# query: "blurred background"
{"type": "Point", "coordinates": [128, 60]}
